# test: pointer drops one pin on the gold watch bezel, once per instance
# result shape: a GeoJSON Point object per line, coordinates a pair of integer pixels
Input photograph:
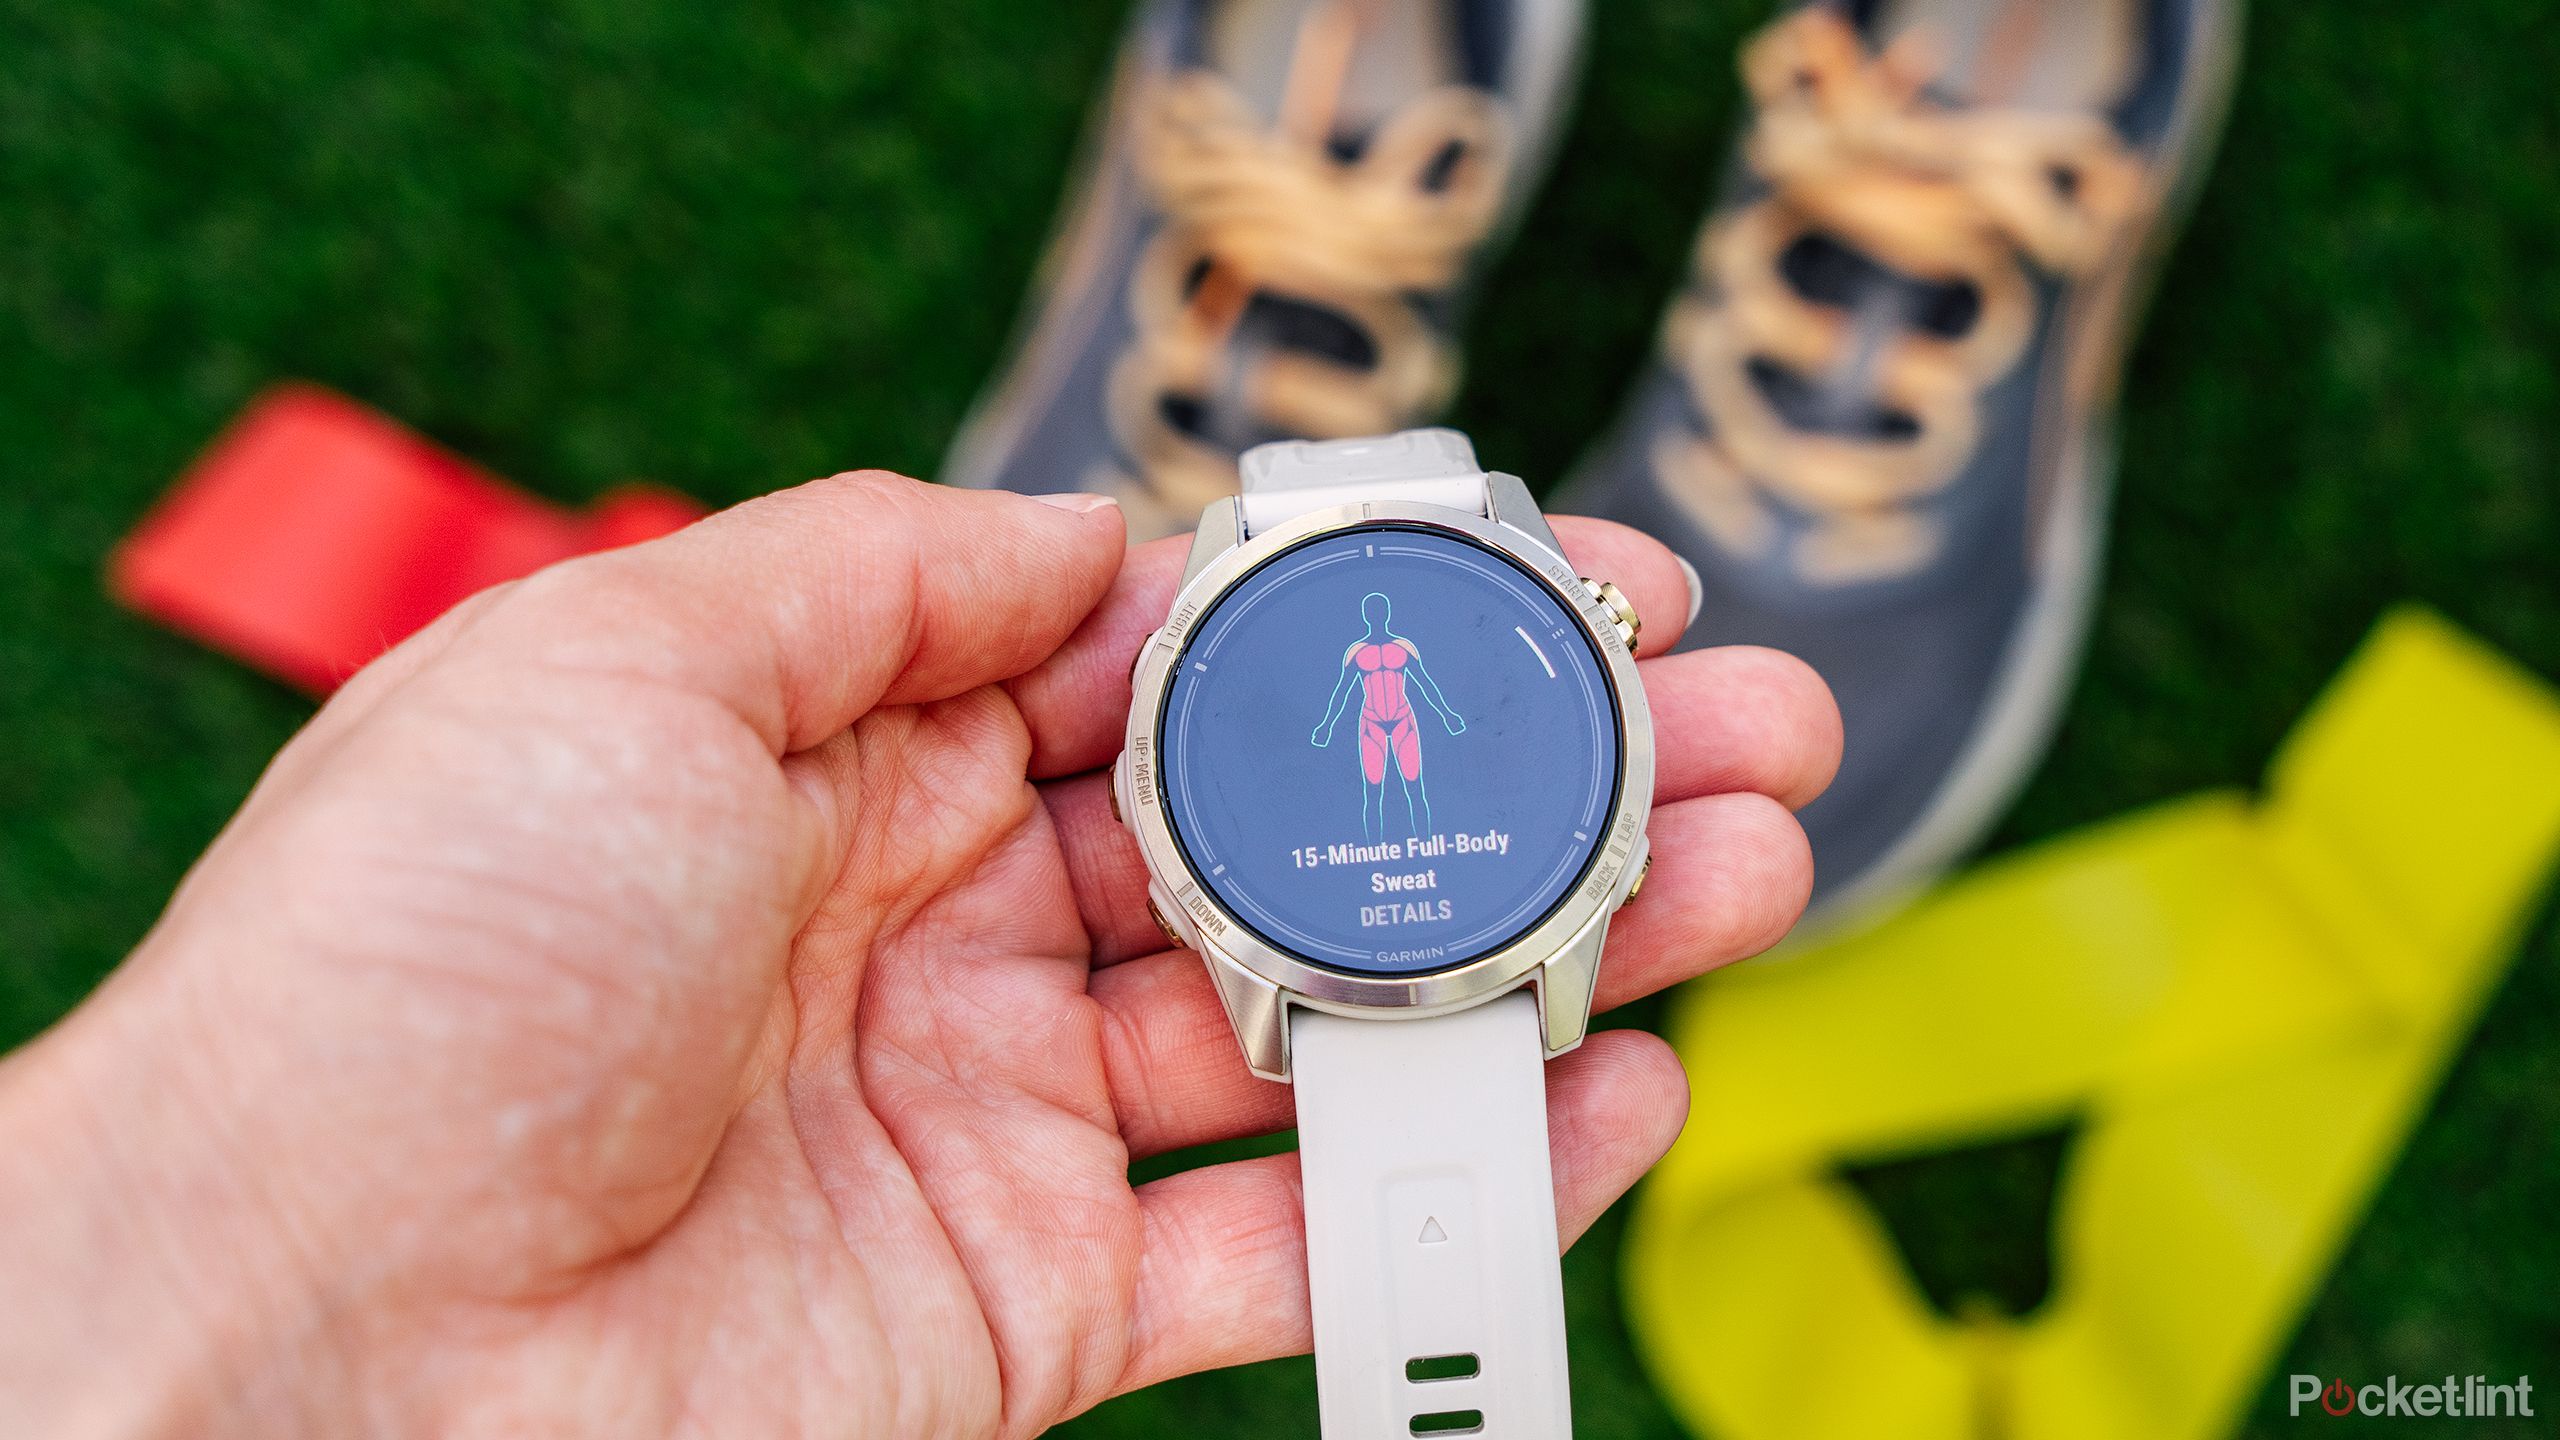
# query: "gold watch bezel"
{"type": "Point", "coordinates": [1570, 928]}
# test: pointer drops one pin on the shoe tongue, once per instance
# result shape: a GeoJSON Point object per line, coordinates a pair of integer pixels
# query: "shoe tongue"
{"type": "Point", "coordinates": [1878, 306]}
{"type": "Point", "coordinates": [1395, 52]}
{"type": "Point", "coordinates": [1272, 327]}
{"type": "Point", "coordinates": [2076, 55]}
{"type": "Point", "coordinates": [1832, 273]}
{"type": "Point", "coordinates": [1283, 322]}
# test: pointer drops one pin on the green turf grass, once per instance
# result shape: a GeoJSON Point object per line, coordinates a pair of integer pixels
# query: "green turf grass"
{"type": "Point", "coordinates": [732, 247]}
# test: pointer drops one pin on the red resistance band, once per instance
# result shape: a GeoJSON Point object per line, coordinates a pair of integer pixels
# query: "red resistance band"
{"type": "Point", "coordinates": [315, 534]}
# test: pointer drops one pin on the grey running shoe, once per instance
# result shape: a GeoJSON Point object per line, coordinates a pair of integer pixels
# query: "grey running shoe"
{"type": "Point", "coordinates": [1285, 204]}
{"type": "Point", "coordinates": [1878, 420]}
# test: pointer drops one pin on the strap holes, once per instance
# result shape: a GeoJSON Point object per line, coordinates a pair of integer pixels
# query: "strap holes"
{"type": "Point", "coordinates": [1449, 1422]}
{"type": "Point", "coordinates": [1422, 1368]}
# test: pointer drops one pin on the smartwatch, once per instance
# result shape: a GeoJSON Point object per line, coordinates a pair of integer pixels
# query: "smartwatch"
{"type": "Point", "coordinates": [1389, 764]}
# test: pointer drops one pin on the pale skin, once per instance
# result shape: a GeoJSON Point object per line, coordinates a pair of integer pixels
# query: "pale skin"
{"type": "Point", "coordinates": [700, 990]}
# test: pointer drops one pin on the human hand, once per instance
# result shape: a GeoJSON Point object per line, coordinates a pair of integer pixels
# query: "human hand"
{"type": "Point", "coordinates": [1457, 723]}
{"type": "Point", "coordinates": [701, 988]}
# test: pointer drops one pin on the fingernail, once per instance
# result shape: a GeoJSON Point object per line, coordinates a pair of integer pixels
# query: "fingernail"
{"type": "Point", "coordinates": [1697, 590]}
{"type": "Point", "coordinates": [1076, 501]}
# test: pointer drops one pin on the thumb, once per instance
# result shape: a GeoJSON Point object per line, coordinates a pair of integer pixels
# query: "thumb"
{"type": "Point", "coordinates": [801, 610]}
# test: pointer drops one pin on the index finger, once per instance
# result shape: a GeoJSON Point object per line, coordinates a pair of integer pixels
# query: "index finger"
{"type": "Point", "coordinates": [1077, 701]}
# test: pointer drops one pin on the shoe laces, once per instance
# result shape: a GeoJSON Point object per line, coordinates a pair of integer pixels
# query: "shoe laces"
{"type": "Point", "coordinates": [1329, 249]}
{"type": "Point", "coordinates": [1837, 393]}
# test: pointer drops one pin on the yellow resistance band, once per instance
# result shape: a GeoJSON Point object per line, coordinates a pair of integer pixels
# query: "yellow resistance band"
{"type": "Point", "coordinates": [2246, 1004]}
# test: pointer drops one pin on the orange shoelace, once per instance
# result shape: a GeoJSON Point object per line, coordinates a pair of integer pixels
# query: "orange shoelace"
{"type": "Point", "coordinates": [1958, 200]}
{"type": "Point", "coordinates": [1254, 209]}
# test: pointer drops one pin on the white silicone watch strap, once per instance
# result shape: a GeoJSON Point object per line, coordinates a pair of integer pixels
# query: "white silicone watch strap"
{"type": "Point", "coordinates": [1429, 467]}
{"type": "Point", "coordinates": [1431, 1223]}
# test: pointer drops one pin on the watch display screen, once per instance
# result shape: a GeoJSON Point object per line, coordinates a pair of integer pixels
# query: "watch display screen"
{"type": "Point", "coordinates": [1389, 750]}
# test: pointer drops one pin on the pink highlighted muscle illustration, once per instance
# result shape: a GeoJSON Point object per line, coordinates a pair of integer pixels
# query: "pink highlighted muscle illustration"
{"type": "Point", "coordinates": [1386, 669]}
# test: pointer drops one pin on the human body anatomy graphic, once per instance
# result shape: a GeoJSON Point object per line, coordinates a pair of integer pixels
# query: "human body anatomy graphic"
{"type": "Point", "coordinates": [1386, 669]}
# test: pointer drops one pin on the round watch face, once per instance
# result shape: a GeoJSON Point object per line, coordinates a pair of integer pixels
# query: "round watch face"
{"type": "Point", "coordinates": [1389, 750]}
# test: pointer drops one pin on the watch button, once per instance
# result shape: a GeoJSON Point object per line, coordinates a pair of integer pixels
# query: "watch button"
{"type": "Point", "coordinates": [1171, 934]}
{"type": "Point", "coordinates": [1637, 884]}
{"type": "Point", "coordinates": [1620, 608]}
{"type": "Point", "coordinates": [1134, 660]}
{"type": "Point", "coordinates": [1119, 773]}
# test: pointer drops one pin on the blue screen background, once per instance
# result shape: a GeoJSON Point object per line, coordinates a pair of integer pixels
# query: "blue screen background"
{"type": "Point", "coordinates": [1515, 802]}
